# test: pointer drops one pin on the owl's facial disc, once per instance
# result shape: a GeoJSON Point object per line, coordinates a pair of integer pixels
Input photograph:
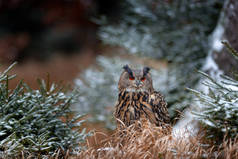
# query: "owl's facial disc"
{"type": "Point", "coordinates": [136, 80]}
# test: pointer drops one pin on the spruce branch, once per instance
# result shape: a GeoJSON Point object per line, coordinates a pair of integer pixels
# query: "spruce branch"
{"type": "Point", "coordinates": [31, 120]}
{"type": "Point", "coordinates": [230, 49]}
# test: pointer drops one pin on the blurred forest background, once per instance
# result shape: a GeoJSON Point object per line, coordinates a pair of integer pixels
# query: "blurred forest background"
{"type": "Point", "coordinates": [85, 43]}
{"type": "Point", "coordinates": [93, 39]}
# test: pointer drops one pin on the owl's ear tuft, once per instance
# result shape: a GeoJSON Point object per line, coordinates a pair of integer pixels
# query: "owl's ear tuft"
{"type": "Point", "coordinates": [128, 70]}
{"type": "Point", "coordinates": [146, 70]}
{"type": "Point", "coordinates": [125, 67]}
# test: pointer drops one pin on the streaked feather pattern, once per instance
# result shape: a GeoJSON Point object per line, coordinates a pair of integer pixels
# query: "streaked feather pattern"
{"type": "Point", "coordinates": [139, 106]}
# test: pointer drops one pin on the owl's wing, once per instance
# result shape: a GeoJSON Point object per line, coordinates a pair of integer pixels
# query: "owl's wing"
{"type": "Point", "coordinates": [158, 105]}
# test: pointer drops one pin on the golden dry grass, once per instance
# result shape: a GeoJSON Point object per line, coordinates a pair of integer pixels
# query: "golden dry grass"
{"type": "Point", "coordinates": [148, 142]}
{"type": "Point", "coordinates": [154, 142]}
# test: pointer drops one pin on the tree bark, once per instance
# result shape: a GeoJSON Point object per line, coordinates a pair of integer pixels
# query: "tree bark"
{"type": "Point", "coordinates": [224, 59]}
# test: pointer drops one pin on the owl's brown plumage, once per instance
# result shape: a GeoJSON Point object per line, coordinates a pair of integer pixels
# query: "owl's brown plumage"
{"type": "Point", "coordinates": [137, 100]}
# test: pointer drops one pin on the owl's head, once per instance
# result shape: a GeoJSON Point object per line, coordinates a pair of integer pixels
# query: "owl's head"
{"type": "Point", "coordinates": [135, 80]}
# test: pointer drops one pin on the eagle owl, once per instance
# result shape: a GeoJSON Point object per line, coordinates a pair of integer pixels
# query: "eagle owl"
{"type": "Point", "coordinates": [137, 99]}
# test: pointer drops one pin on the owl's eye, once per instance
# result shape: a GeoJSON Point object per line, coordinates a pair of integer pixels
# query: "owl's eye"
{"type": "Point", "coordinates": [131, 78]}
{"type": "Point", "coordinates": [142, 79]}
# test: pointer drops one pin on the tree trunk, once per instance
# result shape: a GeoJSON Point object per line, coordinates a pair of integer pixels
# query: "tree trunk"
{"type": "Point", "coordinates": [226, 62]}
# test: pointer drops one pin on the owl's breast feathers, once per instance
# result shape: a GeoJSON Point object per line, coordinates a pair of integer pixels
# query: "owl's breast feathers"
{"type": "Point", "coordinates": [132, 106]}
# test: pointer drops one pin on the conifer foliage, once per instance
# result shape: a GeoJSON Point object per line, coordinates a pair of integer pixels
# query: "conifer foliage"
{"type": "Point", "coordinates": [220, 104]}
{"type": "Point", "coordinates": [31, 121]}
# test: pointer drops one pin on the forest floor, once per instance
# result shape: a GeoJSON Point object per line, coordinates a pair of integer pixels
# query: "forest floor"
{"type": "Point", "coordinates": [151, 142]}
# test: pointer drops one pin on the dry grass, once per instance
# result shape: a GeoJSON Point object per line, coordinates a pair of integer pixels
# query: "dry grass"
{"type": "Point", "coordinates": [147, 142]}
{"type": "Point", "coordinates": [154, 142]}
{"type": "Point", "coordinates": [229, 149]}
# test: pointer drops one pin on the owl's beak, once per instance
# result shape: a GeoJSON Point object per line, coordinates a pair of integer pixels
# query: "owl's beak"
{"type": "Point", "coordinates": [138, 83]}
